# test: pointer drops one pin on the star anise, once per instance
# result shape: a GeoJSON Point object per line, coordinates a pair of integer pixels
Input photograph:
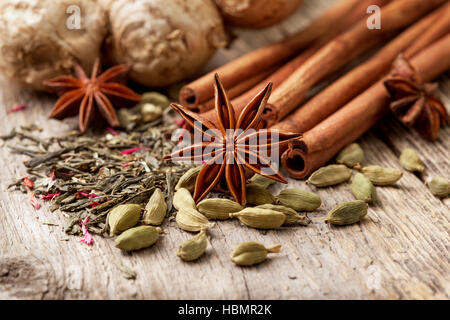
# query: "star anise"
{"type": "Point", "coordinates": [413, 101]}
{"type": "Point", "coordinates": [92, 97]}
{"type": "Point", "coordinates": [232, 147]}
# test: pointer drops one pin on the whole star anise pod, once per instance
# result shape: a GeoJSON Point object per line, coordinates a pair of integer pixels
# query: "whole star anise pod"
{"type": "Point", "coordinates": [232, 147]}
{"type": "Point", "coordinates": [92, 97]}
{"type": "Point", "coordinates": [413, 101]}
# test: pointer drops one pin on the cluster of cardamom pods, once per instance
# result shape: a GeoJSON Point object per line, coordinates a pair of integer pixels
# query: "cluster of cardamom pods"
{"type": "Point", "coordinates": [266, 210]}
{"type": "Point", "coordinates": [363, 182]}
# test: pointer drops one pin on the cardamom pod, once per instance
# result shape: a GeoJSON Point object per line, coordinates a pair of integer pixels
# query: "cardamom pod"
{"type": "Point", "coordinates": [330, 175]}
{"type": "Point", "coordinates": [260, 218]}
{"type": "Point", "coordinates": [156, 209]}
{"type": "Point", "coordinates": [439, 186]}
{"type": "Point", "coordinates": [193, 248]}
{"type": "Point", "coordinates": [188, 179]}
{"type": "Point", "coordinates": [250, 253]}
{"type": "Point", "coordinates": [347, 212]}
{"type": "Point", "coordinates": [218, 208]}
{"type": "Point", "coordinates": [123, 217]}
{"type": "Point", "coordinates": [150, 112]}
{"type": "Point", "coordinates": [189, 219]}
{"type": "Point", "coordinates": [382, 176]}
{"type": "Point", "coordinates": [352, 155]}
{"type": "Point", "coordinates": [292, 217]}
{"type": "Point", "coordinates": [182, 199]}
{"type": "Point", "coordinates": [299, 200]}
{"type": "Point", "coordinates": [261, 181]}
{"type": "Point", "coordinates": [137, 238]}
{"type": "Point", "coordinates": [410, 160]}
{"type": "Point", "coordinates": [258, 195]}
{"type": "Point", "coordinates": [156, 99]}
{"type": "Point", "coordinates": [126, 118]}
{"type": "Point", "coordinates": [363, 189]}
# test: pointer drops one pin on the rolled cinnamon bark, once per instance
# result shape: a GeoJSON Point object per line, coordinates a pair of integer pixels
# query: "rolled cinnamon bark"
{"type": "Point", "coordinates": [321, 143]}
{"type": "Point", "coordinates": [341, 51]}
{"type": "Point", "coordinates": [284, 72]}
{"type": "Point", "coordinates": [421, 34]}
{"type": "Point", "coordinates": [261, 59]}
{"type": "Point", "coordinates": [239, 88]}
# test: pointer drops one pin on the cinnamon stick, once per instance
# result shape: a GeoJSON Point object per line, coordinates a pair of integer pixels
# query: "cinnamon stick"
{"type": "Point", "coordinates": [341, 51]}
{"type": "Point", "coordinates": [421, 34]}
{"type": "Point", "coordinates": [284, 72]}
{"type": "Point", "coordinates": [261, 59]}
{"type": "Point", "coordinates": [321, 143]}
{"type": "Point", "coordinates": [238, 88]}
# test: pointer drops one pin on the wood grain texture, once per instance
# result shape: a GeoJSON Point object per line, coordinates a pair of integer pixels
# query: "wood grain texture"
{"type": "Point", "coordinates": [399, 251]}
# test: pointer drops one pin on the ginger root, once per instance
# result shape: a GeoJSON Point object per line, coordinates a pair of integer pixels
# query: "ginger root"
{"type": "Point", "coordinates": [256, 13]}
{"type": "Point", "coordinates": [166, 41]}
{"type": "Point", "coordinates": [37, 43]}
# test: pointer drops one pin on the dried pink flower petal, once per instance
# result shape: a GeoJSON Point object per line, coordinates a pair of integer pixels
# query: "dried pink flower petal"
{"type": "Point", "coordinates": [18, 108]}
{"type": "Point", "coordinates": [133, 150]}
{"type": "Point", "coordinates": [50, 196]}
{"type": "Point", "coordinates": [34, 202]}
{"type": "Point", "coordinates": [28, 183]}
{"type": "Point", "coordinates": [94, 204]}
{"type": "Point", "coordinates": [88, 195]}
{"type": "Point", "coordinates": [112, 131]}
{"type": "Point", "coordinates": [87, 238]}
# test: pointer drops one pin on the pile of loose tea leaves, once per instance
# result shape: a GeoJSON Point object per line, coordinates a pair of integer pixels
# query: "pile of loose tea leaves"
{"type": "Point", "coordinates": [86, 175]}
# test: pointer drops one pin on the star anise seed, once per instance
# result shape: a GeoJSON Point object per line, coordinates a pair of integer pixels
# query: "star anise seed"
{"type": "Point", "coordinates": [232, 147]}
{"type": "Point", "coordinates": [413, 101]}
{"type": "Point", "coordinates": [92, 96]}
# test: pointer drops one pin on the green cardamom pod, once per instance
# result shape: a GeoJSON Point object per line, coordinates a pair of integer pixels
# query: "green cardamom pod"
{"type": "Point", "coordinates": [137, 238]}
{"type": "Point", "coordinates": [261, 181]}
{"type": "Point", "coordinates": [299, 200]}
{"type": "Point", "coordinates": [126, 118]}
{"type": "Point", "coordinates": [156, 99]}
{"type": "Point", "coordinates": [188, 179]}
{"type": "Point", "coordinates": [347, 212]}
{"type": "Point", "coordinates": [260, 218]}
{"type": "Point", "coordinates": [193, 248]}
{"type": "Point", "coordinates": [439, 186]}
{"type": "Point", "coordinates": [257, 195]}
{"type": "Point", "coordinates": [123, 217]}
{"type": "Point", "coordinates": [330, 175]}
{"type": "Point", "coordinates": [292, 217]}
{"type": "Point", "coordinates": [363, 189]}
{"type": "Point", "coordinates": [250, 253]}
{"type": "Point", "coordinates": [150, 112]}
{"type": "Point", "coordinates": [218, 208]}
{"type": "Point", "coordinates": [410, 160]}
{"type": "Point", "coordinates": [352, 155]}
{"type": "Point", "coordinates": [382, 176]}
{"type": "Point", "coordinates": [156, 209]}
{"type": "Point", "coordinates": [182, 199]}
{"type": "Point", "coordinates": [191, 220]}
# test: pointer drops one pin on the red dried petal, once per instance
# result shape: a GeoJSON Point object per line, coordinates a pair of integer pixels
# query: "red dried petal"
{"type": "Point", "coordinates": [28, 183]}
{"type": "Point", "coordinates": [34, 202]}
{"type": "Point", "coordinates": [18, 108]}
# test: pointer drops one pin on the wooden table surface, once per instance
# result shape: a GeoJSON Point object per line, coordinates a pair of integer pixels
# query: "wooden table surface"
{"type": "Point", "coordinates": [399, 251]}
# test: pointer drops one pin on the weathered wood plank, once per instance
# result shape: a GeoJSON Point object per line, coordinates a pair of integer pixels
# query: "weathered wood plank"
{"type": "Point", "coordinates": [400, 250]}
